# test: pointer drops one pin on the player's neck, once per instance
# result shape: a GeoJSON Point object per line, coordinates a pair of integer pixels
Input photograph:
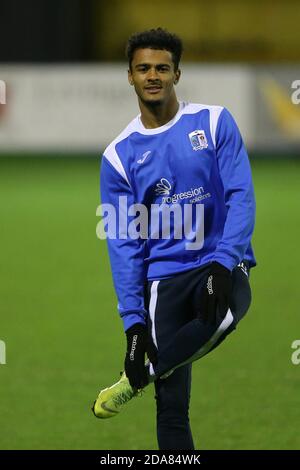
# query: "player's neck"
{"type": "Point", "coordinates": [158, 115]}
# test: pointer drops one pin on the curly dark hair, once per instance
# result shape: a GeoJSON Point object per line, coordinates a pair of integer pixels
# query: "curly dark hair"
{"type": "Point", "coordinates": [158, 38]}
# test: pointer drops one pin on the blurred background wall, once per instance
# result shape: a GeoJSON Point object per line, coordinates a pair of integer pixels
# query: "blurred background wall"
{"type": "Point", "coordinates": [65, 71]}
{"type": "Point", "coordinates": [93, 30]}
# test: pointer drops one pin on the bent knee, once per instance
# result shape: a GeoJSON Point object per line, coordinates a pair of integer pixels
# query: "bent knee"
{"type": "Point", "coordinates": [241, 294]}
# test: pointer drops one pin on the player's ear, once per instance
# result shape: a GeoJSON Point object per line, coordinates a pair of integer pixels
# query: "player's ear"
{"type": "Point", "coordinates": [177, 76]}
{"type": "Point", "coordinates": [130, 77]}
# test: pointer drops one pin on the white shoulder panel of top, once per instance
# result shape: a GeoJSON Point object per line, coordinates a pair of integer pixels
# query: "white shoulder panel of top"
{"type": "Point", "coordinates": [214, 113]}
{"type": "Point", "coordinates": [110, 151]}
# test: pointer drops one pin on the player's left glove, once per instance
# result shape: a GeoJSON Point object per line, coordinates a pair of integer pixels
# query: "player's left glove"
{"type": "Point", "coordinates": [216, 293]}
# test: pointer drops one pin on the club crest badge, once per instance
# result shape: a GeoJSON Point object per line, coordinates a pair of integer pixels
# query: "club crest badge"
{"type": "Point", "coordinates": [198, 140]}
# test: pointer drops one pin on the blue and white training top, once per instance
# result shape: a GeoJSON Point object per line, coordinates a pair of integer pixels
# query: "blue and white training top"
{"type": "Point", "coordinates": [196, 159]}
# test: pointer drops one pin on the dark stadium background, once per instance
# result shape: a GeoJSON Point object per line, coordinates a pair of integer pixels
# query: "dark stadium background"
{"type": "Point", "coordinates": [58, 318]}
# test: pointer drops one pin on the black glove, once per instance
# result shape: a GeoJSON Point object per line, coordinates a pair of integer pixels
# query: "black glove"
{"type": "Point", "coordinates": [138, 343]}
{"type": "Point", "coordinates": [216, 293]}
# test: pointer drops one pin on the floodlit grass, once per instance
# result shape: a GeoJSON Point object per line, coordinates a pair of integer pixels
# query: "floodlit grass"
{"type": "Point", "coordinates": [65, 341]}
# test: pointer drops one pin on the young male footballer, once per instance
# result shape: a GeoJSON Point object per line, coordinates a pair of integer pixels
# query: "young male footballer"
{"type": "Point", "coordinates": [184, 287]}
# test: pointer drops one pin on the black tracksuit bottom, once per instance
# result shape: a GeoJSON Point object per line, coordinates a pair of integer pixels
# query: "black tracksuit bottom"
{"type": "Point", "coordinates": [181, 338]}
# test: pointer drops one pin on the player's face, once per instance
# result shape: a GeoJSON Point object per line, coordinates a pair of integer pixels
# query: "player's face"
{"type": "Point", "coordinates": [153, 76]}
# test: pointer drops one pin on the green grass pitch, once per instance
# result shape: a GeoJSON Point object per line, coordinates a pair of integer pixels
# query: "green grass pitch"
{"type": "Point", "coordinates": [64, 338]}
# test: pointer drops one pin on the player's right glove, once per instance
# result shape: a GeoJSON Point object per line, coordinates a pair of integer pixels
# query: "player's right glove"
{"type": "Point", "coordinates": [138, 343]}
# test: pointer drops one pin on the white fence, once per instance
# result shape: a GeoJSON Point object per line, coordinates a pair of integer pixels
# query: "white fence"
{"type": "Point", "coordinates": [83, 108]}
